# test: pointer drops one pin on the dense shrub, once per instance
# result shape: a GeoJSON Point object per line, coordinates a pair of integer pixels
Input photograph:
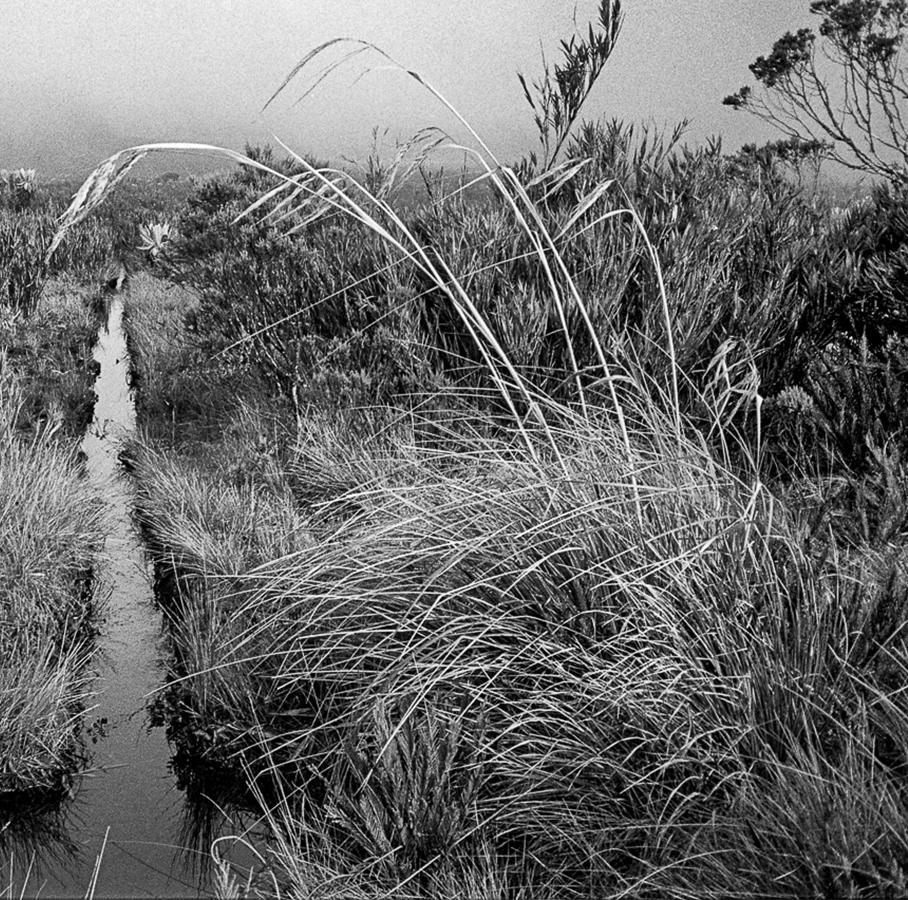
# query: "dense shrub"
{"type": "Point", "coordinates": [311, 311]}
{"type": "Point", "coordinates": [768, 291]}
{"type": "Point", "coordinates": [866, 264]}
{"type": "Point", "coordinates": [847, 395]}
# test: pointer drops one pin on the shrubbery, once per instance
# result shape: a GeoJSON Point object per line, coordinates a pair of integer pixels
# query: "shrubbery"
{"type": "Point", "coordinates": [764, 283]}
{"type": "Point", "coordinates": [310, 311]}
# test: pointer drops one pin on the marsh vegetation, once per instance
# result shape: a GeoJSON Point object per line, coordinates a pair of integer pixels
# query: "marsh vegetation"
{"type": "Point", "coordinates": [539, 539]}
{"type": "Point", "coordinates": [49, 534]}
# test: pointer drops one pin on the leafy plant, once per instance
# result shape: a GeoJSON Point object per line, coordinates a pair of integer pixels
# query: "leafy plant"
{"type": "Point", "coordinates": [558, 97]}
{"type": "Point", "coordinates": [154, 238]}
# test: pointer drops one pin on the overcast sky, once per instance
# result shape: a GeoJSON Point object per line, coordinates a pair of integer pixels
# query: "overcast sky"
{"type": "Point", "coordinates": [81, 78]}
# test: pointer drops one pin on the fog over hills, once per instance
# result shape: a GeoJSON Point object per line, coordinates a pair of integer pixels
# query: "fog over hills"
{"type": "Point", "coordinates": [52, 130]}
{"type": "Point", "coordinates": [65, 135]}
{"type": "Point", "coordinates": [94, 77]}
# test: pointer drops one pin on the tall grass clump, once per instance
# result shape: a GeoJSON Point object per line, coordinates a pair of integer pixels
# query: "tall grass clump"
{"type": "Point", "coordinates": [579, 675]}
{"type": "Point", "coordinates": [50, 532]}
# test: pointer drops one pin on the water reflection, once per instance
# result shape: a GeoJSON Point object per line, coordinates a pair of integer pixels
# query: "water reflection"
{"type": "Point", "coordinates": [46, 851]}
{"type": "Point", "coordinates": [35, 833]}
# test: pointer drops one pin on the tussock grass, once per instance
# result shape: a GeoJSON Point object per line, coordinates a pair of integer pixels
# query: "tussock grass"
{"type": "Point", "coordinates": [211, 515]}
{"type": "Point", "coordinates": [49, 534]}
{"type": "Point", "coordinates": [542, 672]}
{"type": "Point", "coordinates": [221, 526]}
{"type": "Point", "coordinates": [503, 657]}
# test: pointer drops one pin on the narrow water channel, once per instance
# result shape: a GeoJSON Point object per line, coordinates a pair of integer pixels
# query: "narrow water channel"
{"type": "Point", "coordinates": [127, 802]}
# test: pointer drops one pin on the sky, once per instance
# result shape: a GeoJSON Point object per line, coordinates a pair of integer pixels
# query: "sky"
{"type": "Point", "coordinates": [81, 79]}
